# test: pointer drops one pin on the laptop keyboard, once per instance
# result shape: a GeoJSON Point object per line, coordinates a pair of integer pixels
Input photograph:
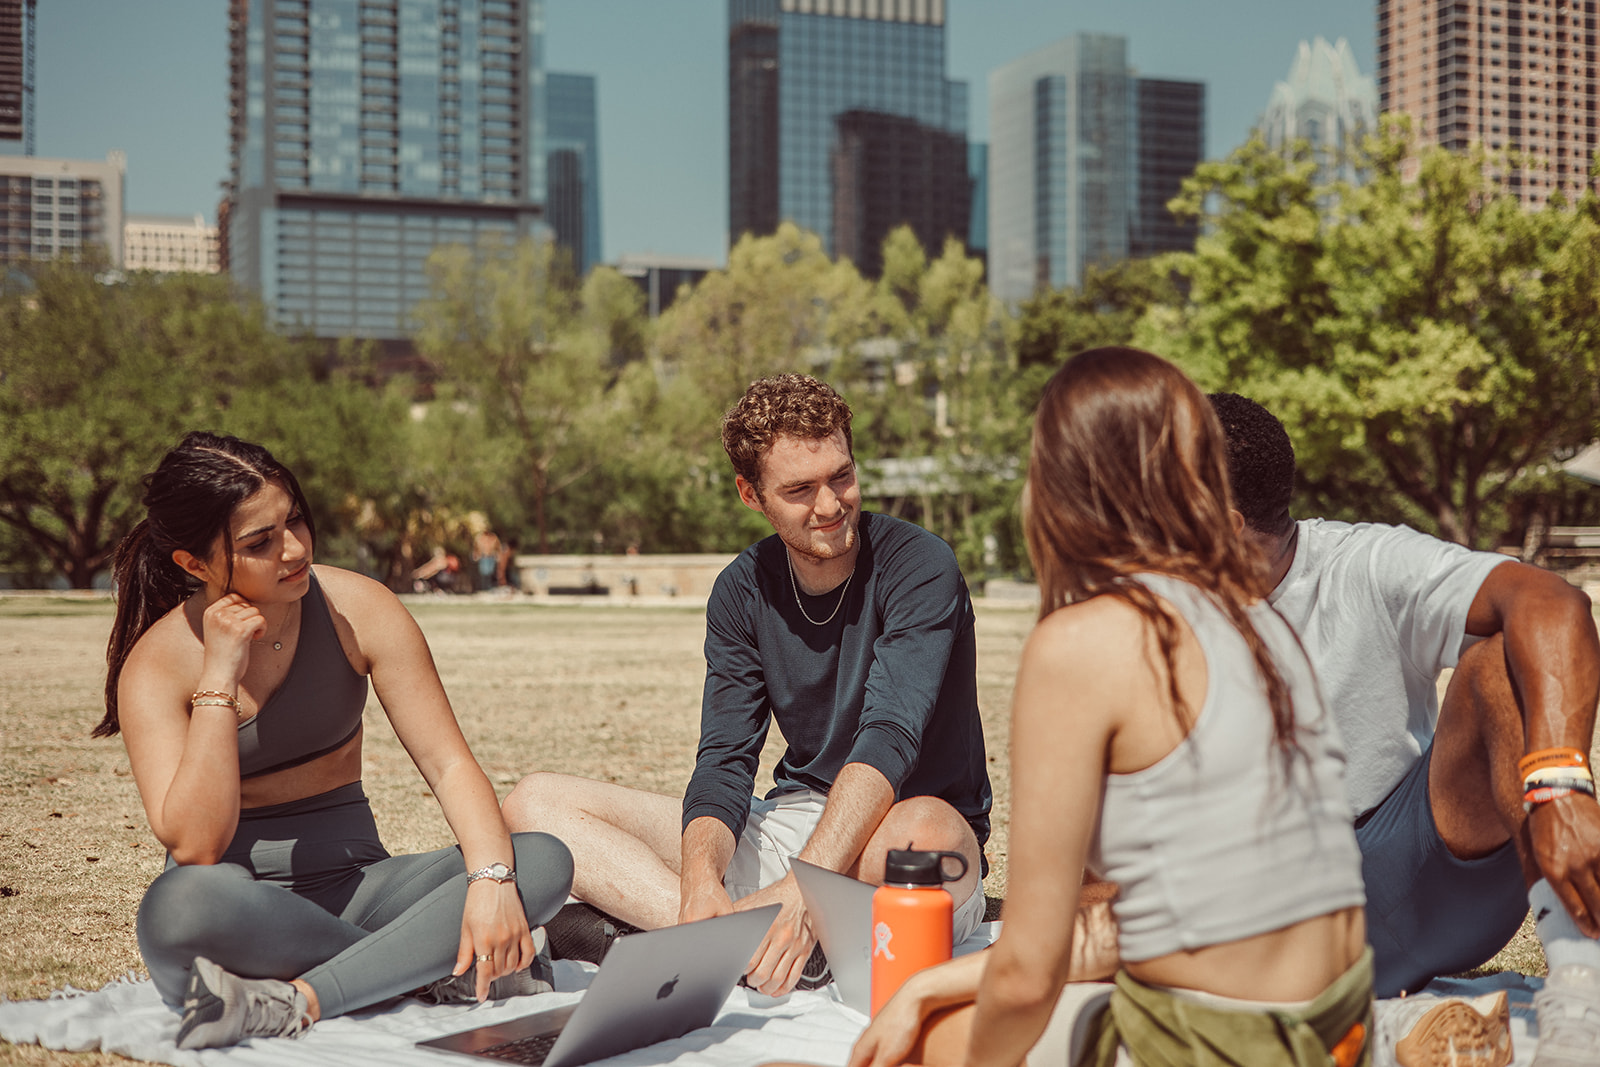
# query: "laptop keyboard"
{"type": "Point", "coordinates": [529, 1050]}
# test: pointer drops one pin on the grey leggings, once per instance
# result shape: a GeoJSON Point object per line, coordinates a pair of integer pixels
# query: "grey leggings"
{"type": "Point", "coordinates": [306, 891]}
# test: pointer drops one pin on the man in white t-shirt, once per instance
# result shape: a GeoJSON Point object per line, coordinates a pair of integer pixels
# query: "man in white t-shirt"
{"type": "Point", "coordinates": [1451, 859]}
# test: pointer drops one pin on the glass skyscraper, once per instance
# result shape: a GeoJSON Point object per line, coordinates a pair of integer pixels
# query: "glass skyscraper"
{"type": "Point", "coordinates": [841, 120]}
{"type": "Point", "coordinates": [1083, 157]}
{"type": "Point", "coordinates": [572, 168]}
{"type": "Point", "coordinates": [365, 133]}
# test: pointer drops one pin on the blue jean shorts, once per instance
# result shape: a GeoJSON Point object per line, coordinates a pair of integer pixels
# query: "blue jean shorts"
{"type": "Point", "coordinates": [1429, 913]}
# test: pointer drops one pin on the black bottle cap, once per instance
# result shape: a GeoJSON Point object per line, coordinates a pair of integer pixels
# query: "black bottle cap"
{"type": "Point", "coordinates": [909, 867]}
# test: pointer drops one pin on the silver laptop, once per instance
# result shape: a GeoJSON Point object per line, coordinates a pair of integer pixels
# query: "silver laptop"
{"type": "Point", "coordinates": [653, 986]}
{"type": "Point", "coordinates": [841, 914]}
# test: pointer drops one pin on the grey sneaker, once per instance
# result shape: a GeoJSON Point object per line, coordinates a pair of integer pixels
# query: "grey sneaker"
{"type": "Point", "coordinates": [222, 1009]}
{"type": "Point", "coordinates": [1569, 1018]}
{"type": "Point", "coordinates": [538, 977]}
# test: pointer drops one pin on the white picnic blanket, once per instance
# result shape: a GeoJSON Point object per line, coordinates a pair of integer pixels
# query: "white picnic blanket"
{"type": "Point", "coordinates": [128, 1018]}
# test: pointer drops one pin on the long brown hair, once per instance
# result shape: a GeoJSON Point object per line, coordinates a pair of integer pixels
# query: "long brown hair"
{"type": "Point", "coordinates": [1128, 474]}
{"type": "Point", "coordinates": [189, 498]}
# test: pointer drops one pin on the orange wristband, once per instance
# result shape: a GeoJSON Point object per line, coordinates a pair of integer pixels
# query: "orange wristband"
{"type": "Point", "coordinates": [1551, 757]}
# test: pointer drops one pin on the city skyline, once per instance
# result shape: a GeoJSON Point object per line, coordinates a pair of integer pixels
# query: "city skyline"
{"type": "Point", "coordinates": [152, 80]}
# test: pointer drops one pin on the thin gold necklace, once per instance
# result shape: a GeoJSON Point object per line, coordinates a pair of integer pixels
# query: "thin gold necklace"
{"type": "Point", "coordinates": [801, 604]}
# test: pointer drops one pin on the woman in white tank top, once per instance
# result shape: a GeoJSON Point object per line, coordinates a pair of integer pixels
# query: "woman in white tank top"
{"type": "Point", "coordinates": [1165, 723]}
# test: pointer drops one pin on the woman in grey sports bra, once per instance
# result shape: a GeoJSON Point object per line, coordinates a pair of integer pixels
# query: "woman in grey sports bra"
{"type": "Point", "coordinates": [237, 675]}
{"type": "Point", "coordinates": [1166, 733]}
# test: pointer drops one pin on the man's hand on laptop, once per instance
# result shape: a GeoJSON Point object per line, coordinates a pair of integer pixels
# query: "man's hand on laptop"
{"type": "Point", "coordinates": [781, 959]}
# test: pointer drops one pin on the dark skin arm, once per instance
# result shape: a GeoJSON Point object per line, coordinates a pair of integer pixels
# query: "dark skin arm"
{"type": "Point", "coordinates": [1552, 654]}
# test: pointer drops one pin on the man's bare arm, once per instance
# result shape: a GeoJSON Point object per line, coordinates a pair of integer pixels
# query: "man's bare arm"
{"type": "Point", "coordinates": [707, 850]}
{"type": "Point", "coordinates": [1553, 656]}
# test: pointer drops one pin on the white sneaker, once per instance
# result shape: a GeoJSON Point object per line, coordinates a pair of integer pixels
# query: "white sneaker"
{"type": "Point", "coordinates": [1569, 1018]}
{"type": "Point", "coordinates": [1430, 1031]}
{"type": "Point", "coordinates": [221, 1009]}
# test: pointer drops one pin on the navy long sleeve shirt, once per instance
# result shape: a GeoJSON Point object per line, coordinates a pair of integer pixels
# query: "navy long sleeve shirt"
{"type": "Point", "coordinates": [890, 681]}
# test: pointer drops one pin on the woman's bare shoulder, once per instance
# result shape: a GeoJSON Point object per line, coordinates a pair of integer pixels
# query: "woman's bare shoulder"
{"type": "Point", "coordinates": [365, 612]}
{"type": "Point", "coordinates": [166, 659]}
{"type": "Point", "coordinates": [1100, 628]}
{"type": "Point", "coordinates": [354, 595]}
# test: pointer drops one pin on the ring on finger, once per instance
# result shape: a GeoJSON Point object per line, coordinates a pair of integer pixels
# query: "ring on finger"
{"type": "Point", "coordinates": [485, 958]}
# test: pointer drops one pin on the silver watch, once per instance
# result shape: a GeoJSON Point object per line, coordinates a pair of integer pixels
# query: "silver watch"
{"type": "Point", "coordinates": [498, 871]}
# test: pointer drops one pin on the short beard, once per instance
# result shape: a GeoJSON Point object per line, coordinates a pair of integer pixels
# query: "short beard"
{"type": "Point", "coordinates": [807, 551]}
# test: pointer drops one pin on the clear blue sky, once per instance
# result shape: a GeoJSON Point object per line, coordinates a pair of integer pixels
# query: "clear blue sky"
{"type": "Point", "coordinates": [150, 78]}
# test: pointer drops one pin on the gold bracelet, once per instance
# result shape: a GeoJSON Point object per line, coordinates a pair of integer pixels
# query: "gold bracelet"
{"type": "Point", "coordinates": [214, 702]}
{"type": "Point", "coordinates": [212, 693]}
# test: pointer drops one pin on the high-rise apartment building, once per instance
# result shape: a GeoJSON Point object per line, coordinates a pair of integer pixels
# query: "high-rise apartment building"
{"type": "Point", "coordinates": [841, 119]}
{"type": "Point", "coordinates": [572, 167]}
{"type": "Point", "coordinates": [169, 244]}
{"type": "Point", "coordinates": [1517, 76]}
{"type": "Point", "coordinates": [365, 133]}
{"type": "Point", "coordinates": [54, 207]}
{"type": "Point", "coordinates": [1083, 157]}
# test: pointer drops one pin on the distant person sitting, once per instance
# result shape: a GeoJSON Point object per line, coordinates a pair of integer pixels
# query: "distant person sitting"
{"type": "Point", "coordinates": [854, 633]}
{"type": "Point", "coordinates": [1468, 812]}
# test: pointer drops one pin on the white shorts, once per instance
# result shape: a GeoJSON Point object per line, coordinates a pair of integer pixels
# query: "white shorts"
{"type": "Point", "coordinates": [775, 832]}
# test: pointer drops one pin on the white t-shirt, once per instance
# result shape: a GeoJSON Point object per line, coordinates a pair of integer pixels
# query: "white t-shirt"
{"type": "Point", "coordinates": [1381, 611]}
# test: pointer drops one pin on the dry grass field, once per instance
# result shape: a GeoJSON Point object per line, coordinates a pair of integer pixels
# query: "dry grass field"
{"type": "Point", "coordinates": [605, 692]}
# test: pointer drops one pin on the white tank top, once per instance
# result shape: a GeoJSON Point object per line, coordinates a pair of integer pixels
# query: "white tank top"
{"type": "Point", "coordinates": [1212, 843]}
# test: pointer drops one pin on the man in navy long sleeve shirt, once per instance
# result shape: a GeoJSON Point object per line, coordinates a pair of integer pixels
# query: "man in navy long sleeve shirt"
{"type": "Point", "coordinates": [854, 632]}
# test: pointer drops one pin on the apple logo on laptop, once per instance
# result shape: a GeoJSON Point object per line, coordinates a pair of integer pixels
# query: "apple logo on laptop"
{"type": "Point", "coordinates": [666, 989]}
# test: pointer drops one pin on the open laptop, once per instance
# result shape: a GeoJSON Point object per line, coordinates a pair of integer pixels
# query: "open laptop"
{"type": "Point", "coordinates": [653, 986]}
{"type": "Point", "coordinates": [841, 914]}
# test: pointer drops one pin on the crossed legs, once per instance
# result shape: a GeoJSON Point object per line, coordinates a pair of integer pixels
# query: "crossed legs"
{"type": "Point", "coordinates": [626, 843]}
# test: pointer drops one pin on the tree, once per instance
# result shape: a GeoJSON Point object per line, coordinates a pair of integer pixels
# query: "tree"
{"type": "Point", "coordinates": [98, 378]}
{"type": "Point", "coordinates": [519, 338]}
{"type": "Point", "coordinates": [1426, 339]}
{"type": "Point", "coordinates": [1055, 324]}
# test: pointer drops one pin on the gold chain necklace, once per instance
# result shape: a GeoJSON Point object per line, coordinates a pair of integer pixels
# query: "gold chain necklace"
{"type": "Point", "coordinates": [801, 604]}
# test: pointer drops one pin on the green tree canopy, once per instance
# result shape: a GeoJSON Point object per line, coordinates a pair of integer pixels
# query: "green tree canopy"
{"type": "Point", "coordinates": [520, 339]}
{"type": "Point", "coordinates": [1425, 337]}
{"type": "Point", "coordinates": [98, 378]}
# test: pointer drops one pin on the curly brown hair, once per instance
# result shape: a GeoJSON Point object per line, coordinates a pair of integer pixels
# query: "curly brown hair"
{"type": "Point", "coordinates": [793, 404]}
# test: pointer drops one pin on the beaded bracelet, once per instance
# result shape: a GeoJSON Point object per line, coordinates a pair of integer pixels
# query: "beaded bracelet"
{"type": "Point", "coordinates": [1573, 785]}
{"type": "Point", "coordinates": [1548, 774]}
{"type": "Point", "coordinates": [1551, 757]}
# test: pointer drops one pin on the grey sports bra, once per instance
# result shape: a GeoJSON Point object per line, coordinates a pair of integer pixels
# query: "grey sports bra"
{"type": "Point", "coordinates": [316, 710]}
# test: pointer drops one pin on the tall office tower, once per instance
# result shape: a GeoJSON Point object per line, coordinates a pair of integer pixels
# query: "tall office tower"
{"type": "Point", "coordinates": [365, 133]}
{"type": "Point", "coordinates": [1083, 157]}
{"type": "Point", "coordinates": [841, 119]}
{"type": "Point", "coordinates": [53, 207]}
{"type": "Point", "coordinates": [572, 170]}
{"type": "Point", "coordinates": [1512, 75]}
{"type": "Point", "coordinates": [1170, 118]}
{"type": "Point", "coordinates": [1325, 101]}
{"type": "Point", "coordinates": [169, 244]}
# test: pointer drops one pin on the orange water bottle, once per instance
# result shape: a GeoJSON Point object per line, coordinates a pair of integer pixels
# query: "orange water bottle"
{"type": "Point", "coordinates": [911, 918]}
